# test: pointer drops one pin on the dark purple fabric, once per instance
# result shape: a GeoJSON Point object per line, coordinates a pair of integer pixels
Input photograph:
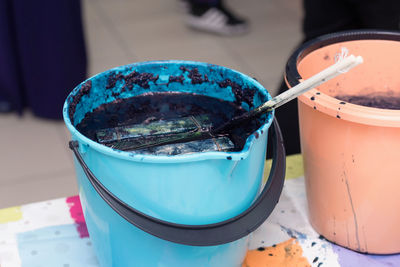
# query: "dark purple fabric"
{"type": "Point", "coordinates": [42, 53]}
{"type": "Point", "coordinates": [10, 82]}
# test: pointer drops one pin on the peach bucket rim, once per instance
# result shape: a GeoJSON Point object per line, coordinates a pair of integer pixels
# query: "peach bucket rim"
{"type": "Point", "coordinates": [333, 106]}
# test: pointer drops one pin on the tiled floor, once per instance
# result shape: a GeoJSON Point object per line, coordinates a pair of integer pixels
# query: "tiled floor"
{"type": "Point", "coordinates": [38, 166]}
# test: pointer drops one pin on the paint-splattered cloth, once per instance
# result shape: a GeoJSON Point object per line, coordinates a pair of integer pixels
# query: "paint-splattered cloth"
{"type": "Point", "coordinates": [53, 233]}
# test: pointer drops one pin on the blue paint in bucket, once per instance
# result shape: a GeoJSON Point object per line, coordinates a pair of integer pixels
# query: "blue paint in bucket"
{"type": "Point", "coordinates": [199, 189]}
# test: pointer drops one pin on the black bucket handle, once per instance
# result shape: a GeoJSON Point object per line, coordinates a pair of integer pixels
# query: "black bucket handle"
{"type": "Point", "coordinates": [209, 234]}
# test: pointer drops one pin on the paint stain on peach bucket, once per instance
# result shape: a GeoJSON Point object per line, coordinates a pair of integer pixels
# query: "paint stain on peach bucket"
{"type": "Point", "coordinates": [351, 152]}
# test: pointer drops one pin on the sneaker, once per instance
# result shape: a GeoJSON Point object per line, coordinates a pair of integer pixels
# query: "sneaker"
{"type": "Point", "coordinates": [216, 19]}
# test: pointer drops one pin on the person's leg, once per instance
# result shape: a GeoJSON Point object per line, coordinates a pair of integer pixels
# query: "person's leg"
{"type": "Point", "coordinates": [374, 14]}
{"type": "Point", "coordinates": [328, 16]}
{"type": "Point", "coordinates": [320, 17]}
{"type": "Point", "coordinates": [205, 2]}
{"type": "Point", "coordinates": [287, 116]}
{"type": "Point", "coordinates": [52, 52]}
{"type": "Point", "coordinates": [214, 16]}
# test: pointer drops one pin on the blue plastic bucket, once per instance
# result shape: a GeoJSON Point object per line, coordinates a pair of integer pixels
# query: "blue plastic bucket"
{"type": "Point", "coordinates": [184, 210]}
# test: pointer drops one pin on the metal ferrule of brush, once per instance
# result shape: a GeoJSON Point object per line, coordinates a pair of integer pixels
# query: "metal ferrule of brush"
{"type": "Point", "coordinates": [267, 106]}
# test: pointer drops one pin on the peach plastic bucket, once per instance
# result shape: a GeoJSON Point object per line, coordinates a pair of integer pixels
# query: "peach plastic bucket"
{"type": "Point", "coordinates": [351, 152]}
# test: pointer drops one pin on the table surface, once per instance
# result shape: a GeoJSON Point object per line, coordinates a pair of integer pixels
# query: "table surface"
{"type": "Point", "coordinates": [53, 233]}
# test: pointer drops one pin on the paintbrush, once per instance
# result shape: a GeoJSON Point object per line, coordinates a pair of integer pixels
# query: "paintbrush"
{"type": "Point", "coordinates": [187, 131]}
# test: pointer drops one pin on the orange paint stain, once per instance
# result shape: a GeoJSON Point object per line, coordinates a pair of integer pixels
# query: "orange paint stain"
{"type": "Point", "coordinates": [288, 253]}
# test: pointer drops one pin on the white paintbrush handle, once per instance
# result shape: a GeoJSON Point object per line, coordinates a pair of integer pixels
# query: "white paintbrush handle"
{"type": "Point", "coordinates": [331, 72]}
{"type": "Point", "coordinates": [336, 69]}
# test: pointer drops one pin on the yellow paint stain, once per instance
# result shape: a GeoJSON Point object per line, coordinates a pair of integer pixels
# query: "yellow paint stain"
{"type": "Point", "coordinates": [10, 214]}
{"type": "Point", "coordinates": [288, 253]}
{"type": "Point", "coordinates": [294, 167]}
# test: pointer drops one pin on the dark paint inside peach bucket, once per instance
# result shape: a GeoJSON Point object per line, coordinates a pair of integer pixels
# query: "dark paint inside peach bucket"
{"type": "Point", "coordinates": [351, 152]}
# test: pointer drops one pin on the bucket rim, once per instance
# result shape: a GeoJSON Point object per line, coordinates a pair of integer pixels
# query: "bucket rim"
{"type": "Point", "coordinates": [328, 104]}
{"type": "Point", "coordinates": [85, 142]}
